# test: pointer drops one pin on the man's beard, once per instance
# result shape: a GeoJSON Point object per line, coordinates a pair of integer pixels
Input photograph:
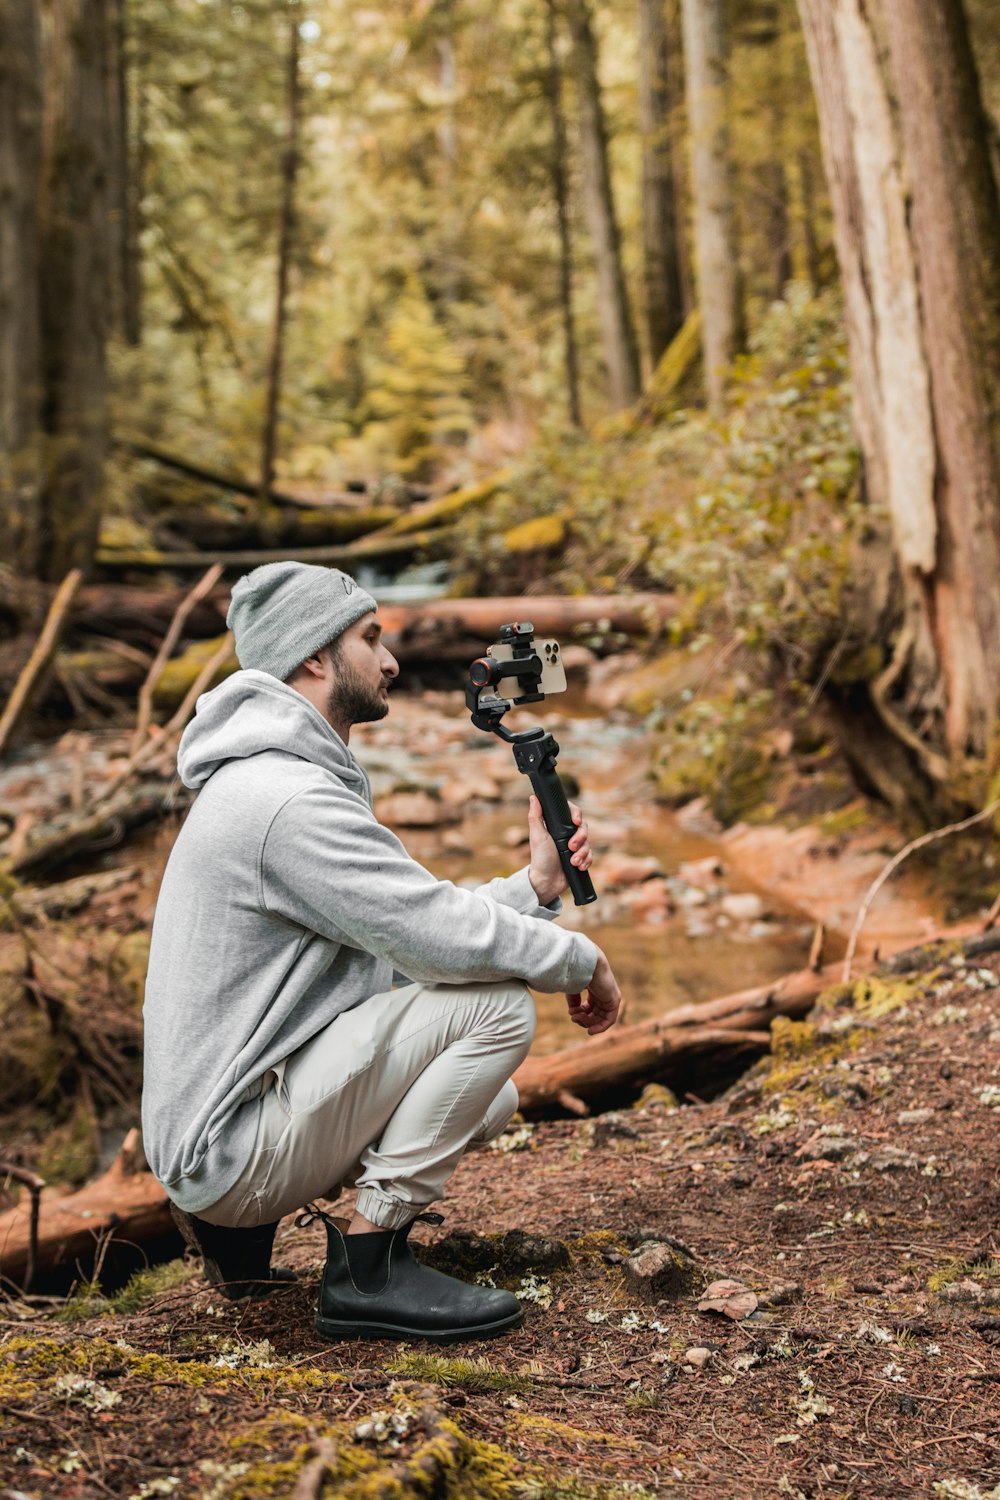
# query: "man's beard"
{"type": "Point", "coordinates": [353, 700]}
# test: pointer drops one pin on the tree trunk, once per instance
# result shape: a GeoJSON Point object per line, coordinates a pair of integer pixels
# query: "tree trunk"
{"type": "Point", "coordinates": [715, 242]}
{"type": "Point", "coordinates": [20, 350]}
{"type": "Point", "coordinates": [560, 192]}
{"type": "Point", "coordinates": [124, 290]}
{"type": "Point", "coordinates": [290, 166]}
{"type": "Point", "coordinates": [621, 355]}
{"type": "Point", "coordinates": [74, 283]}
{"type": "Point", "coordinates": [660, 223]}
{"type": "Point", "coordinates": [917, 226]}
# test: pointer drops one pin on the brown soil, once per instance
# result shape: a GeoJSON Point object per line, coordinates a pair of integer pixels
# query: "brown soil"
{"type": "Point", "coordinates": [870, 1367]}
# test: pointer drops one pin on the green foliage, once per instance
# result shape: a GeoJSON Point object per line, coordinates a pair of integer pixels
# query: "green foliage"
{"type": "Point", "coordinates": [416, 391]}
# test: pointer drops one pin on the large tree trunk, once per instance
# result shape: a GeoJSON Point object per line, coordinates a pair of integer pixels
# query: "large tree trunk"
{"type": "Point", "coordinates": [660, 222]}
{"type": "Point", "coordinates": [711, 190]}
{"type": "Point", "coordinates": [74, 282]}
{"type": "Point", "coordinates": [289, 174]}
{"type": "Point", "coordinates": [123, 250]}
{"type": "Point", "coordinates": [917, 224]}
{"type": "Point", "coordinates": [20, 364]}
{"type": "Point", "coordinates": [621, 354]}
{"type": "Point", "coordinates": [560, 191]}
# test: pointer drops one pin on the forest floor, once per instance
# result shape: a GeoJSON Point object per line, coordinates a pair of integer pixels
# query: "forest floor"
{"type": "Point", "coordinates": [849, 1184]}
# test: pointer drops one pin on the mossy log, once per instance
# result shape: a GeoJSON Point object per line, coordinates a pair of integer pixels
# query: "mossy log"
{"type": "Point", "coordinates": [634, 1055]}
{"type": "Point", "coordinates": [380, 545]}
{"type": "Point", "coordinates": [447, 507]}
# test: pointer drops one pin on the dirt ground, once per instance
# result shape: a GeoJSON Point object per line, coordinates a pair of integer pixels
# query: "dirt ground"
{"type": "Point", "coordinates": [849, 1183]}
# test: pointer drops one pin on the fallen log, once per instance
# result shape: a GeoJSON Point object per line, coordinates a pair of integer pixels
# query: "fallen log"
{"type": "Point", "coordinates": [74, 835]}
{"type": "Point", "coordinates": [379, 545]}
{"type": "Point", "coordinates": [480, 619]}
{"type": "Point", "coordinates": [225, 479]}
{"type": "Point", "coordinates": [124, 1204]}
{"type": "Point", "coordinates": [67, 896]}
{"type": "Point", "coordinates": [447, 507]}
{"type": "Point", "coordinates": [635, 1055]}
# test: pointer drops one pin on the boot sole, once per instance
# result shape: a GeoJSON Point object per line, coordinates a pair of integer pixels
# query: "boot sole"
{"type": "Point", "coordinates": [330, 1328]}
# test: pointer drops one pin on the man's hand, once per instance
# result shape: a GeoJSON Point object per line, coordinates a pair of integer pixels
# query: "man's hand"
{"type": "Point", "coordinates": [597, 1010]}
{"type": "Point", "coordinates": [545, 870]}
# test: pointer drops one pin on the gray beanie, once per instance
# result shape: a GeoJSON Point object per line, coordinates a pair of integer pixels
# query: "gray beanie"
{"type": "Point", "coordinates": [283, 612]}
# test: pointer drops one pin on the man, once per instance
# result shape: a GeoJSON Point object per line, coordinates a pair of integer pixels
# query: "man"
{"type": "Point", "coordinates": [279, 1061]}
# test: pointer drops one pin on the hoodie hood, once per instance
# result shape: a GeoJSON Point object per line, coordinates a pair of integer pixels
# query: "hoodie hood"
{"type": "Point", "coordinates": [251, 713]}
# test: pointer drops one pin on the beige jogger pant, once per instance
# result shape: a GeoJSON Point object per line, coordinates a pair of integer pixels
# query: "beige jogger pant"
{"type": "Point", "coordinates": [387, 1098]}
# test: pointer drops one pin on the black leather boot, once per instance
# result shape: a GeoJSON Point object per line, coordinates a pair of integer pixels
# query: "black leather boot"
{"type": "Point", "coordinates": [373, 1288]}
{"type": "Point", "coordinates": [237, 1261]}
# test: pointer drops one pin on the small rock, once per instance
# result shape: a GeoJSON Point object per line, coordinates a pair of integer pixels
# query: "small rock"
{"type": "Point", "coordinates": [649, 902]}
{"type": "Point", "coordinates": [731, 1298]}
{"type": "Point", "coordinates": [700, 872]}
{"type": "Point", "coordinates": [658, 1269]}
{"type": "Point", "coordinates": [697, 1357]}
{"type": "Point", "coordinates": [455, 842]}
{"type": "Point", "coordinates": [461, 790]}
{"type": "Point", "coordinates": [915, 1116]}
{"type": "Point", "coordinates": [416, 810]}
{"type": "Point", "coordinates": [826, 1148]}
{"type": "Point", "coordinates": [743, 906]}
{"type": "Point", "coordinates": [967, 1290]}
{"type": "Point", "coordinates": [689, 896]}
{"type": "Point", "coordinates": [514, 837]}
{"type": "Point", "coordinates": [577, 659]}
{"type": "Point", "coordinates": [892, 1159]}
{"type": "Point", "coordinates": [628, 869]}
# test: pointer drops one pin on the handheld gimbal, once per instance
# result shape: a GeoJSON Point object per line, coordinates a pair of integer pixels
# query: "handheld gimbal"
{"type": "Point", "coordinates": [535, 750]}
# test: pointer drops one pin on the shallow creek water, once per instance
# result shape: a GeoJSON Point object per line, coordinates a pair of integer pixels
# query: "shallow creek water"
{"type": "Point", "coordinates": [694, 952]}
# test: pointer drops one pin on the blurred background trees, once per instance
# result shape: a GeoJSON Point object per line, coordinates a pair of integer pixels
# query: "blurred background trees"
{"type": "Point", "coordinates": [319, 244]}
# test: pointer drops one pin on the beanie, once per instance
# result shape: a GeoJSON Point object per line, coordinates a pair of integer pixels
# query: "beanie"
{"type": "Point", "coordinates": [283, 612]}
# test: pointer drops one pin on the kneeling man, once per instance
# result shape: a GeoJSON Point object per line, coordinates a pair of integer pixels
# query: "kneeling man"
{"type": "Point", "coordinates": [280, 1063]}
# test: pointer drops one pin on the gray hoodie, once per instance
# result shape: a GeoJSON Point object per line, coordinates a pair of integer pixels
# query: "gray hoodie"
{"type": "Point", "coordinates": [285, 902]}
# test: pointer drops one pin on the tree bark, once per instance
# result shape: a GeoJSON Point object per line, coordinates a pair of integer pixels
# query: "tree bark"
{"type": "Point", "coordinates": [621, 354]}
{"type": "Point", "coordinates": [917, 227]}
{"type": "Point", "coordinates": [74, 283]}
{"type": "Point", "coordinates": [715, 241]}
{"type": "Point", "coordinates": [124, 278]}
{"type": "Point", "coordinates": [560, 192]}
{"type": "Point", "coordinates": [290, 167]}
{"type": "Point", "coordinates": [20, 347]}
{"type": "Point", "coordinates": [660, 222]}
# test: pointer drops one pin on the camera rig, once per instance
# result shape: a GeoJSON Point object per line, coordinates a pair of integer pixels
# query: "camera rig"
{"type": "Point", "coordinates": [535, 750]}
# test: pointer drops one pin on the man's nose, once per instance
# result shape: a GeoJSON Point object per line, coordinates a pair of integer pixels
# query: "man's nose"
{"type": "Point", "coordinates": [390, 666]}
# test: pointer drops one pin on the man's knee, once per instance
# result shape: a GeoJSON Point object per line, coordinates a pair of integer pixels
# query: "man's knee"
{"type": "Point", "coordinates": [516, 1005]}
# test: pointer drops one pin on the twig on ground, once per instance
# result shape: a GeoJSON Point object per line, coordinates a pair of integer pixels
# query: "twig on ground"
{"type": "Point", "coordinates": [167, 645]}
{"type": "Point", "coordinates": [992, 915]}
{"type": "Point", "coordinates": [34, 1184]}
{"type": "Point", "coordinates": [895, 862]}
{"type": "Point", "coordinates": [41, 657]}
{"type": "Point", "coordinates": [311, 1479]}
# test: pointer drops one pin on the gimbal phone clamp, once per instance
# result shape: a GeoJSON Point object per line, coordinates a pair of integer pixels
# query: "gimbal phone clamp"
{"type": "Point", "coordinates": [535, 750]}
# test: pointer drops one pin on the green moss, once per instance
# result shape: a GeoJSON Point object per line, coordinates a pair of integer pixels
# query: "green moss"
{"type": "Point", "coordinates": [33, 1364]}
{"type": "Point", "coordinates": [145, 1286]}
{"type": "Point", "coordinates": [469, 1374]}
{"type": "Point", "coordinates": [957, 1270]}
{"type": "Point", "coordinates": [796, 1051]}
{"type": "Point", "coordinates": [845, 819]}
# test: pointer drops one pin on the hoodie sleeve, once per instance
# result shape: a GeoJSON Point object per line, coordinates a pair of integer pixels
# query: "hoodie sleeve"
{"type": "Point", "coordinates": [517, 891]}
{"type": "Point", "coordinates": [328, 865]}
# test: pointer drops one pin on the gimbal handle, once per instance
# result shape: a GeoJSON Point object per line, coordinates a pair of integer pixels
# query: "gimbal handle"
{"type": "Point", "coordinates": [535, 752]}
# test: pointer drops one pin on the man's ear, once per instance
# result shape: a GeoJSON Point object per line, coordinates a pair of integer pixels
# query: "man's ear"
{"type": "Point", "coordinates": [315, 665]}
